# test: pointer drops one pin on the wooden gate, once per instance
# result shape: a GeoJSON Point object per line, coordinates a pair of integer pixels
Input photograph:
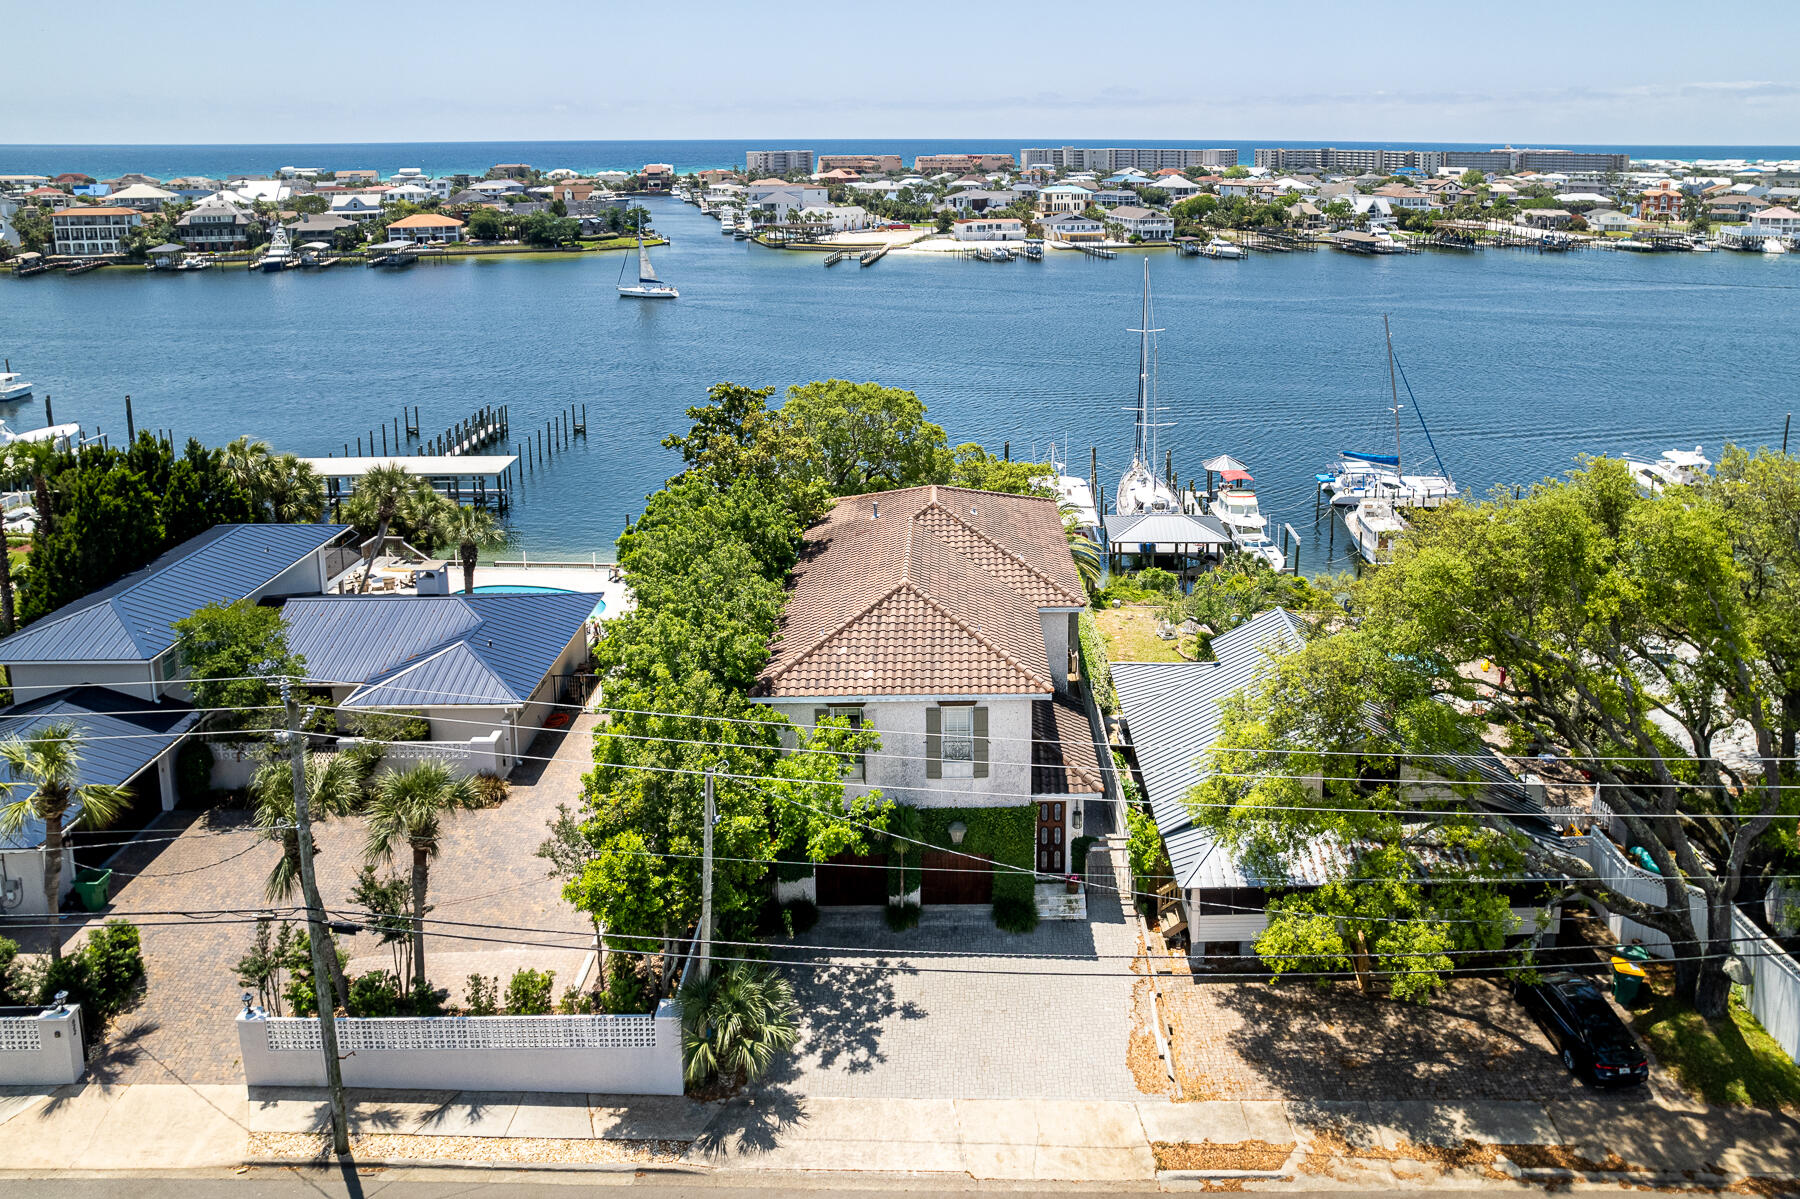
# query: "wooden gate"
{"type": "Point", "coordinates": [848, 880]}
{"type": "Point", "coordinates": [955, 878]}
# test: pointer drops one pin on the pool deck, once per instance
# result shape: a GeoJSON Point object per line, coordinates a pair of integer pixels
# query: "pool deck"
{"type": "Point", "coordinates": [596, 580]}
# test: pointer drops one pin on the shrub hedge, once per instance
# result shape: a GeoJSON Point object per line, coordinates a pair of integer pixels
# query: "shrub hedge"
{"type": "Point", "coordinates": [1007, 835]}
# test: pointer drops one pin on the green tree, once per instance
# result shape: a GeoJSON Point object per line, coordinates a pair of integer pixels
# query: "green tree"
{"type": "Point", "coordinates": [45, 785]}
{"type": "Point", "coordinates": [407, 809]}
{"type": "Point", "coordinates": [972, 466]}
{"type": "Point", "coordinates": [200, 492]}
{"type": "Point", "coordinates": [231, 653]}
{"type": "Point", "coordinates": [944, 220]}
{"type": "Point", "coordinates": [870, 437]}
{"type": "Point", "coordinates": [735, 1021]}
{"type": "Point", "coordinates": [1472, 178]}
{"type": "Point", "coordinates": [106, 523]}
{"type": "Point", "coordinates": [1636, 635]}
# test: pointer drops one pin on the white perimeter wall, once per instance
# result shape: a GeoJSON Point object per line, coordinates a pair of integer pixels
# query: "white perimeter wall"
{"type": "Point", "coordinates": [613, 1055]}
{"type": "Point", "coordinates": [41, 1050]}
{"type": "Point", "coordinates": [25, 867]}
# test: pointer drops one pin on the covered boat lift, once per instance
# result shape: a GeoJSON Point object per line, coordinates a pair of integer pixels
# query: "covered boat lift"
{"type": "Point", "coordinates": [479, 480]}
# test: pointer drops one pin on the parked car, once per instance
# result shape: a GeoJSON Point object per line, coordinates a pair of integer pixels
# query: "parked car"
{"type": "Point", "coordinates": [1583, 1027]}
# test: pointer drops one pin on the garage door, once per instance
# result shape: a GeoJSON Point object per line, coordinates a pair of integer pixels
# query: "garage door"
{"type": "Point", "coordinates": [848, 880]}
{"type": "Point", "coordinates": [956, 878]}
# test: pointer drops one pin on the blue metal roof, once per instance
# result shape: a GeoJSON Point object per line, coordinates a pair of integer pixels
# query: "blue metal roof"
{"type": "Point", "coordinates": [1172, 713]}
{"type": "Point", "coordinates": [128, 621]}
{"type": "Point", "coordinates": [435, 650]}
{"type": "Point", "coordinates": [123, 735]}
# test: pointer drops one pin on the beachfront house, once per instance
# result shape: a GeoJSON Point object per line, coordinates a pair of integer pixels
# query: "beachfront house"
{"type": "Point", "coordinates": [834, 218]}
{"type": "Point", "coordinates": [1411, 199]}
{"type": "Point", "coordinates": [101, 229]}
{"type": "Point", "coordinates": [1063, 198]}
{"type": "Point", "coordinates": [145, 197]}
{"type": "Point", "coordinates": [778, 198]}
{"type": "Point", "coordinates": [1661, 202]}
{"type": "Point", "coordinates": [1545, 218]}
{"type": "Point", "coordinates": [213, 225]}
{"type": "Point", "coordinates": [426, 228]}
{"type": "Point", "coordinates": [1775, 222]}
{"type": "Point", "coordinates": [988, 228]}
{"type": "Point", "coordinates": [1112, 197]}
{"type": "Point", "coordinates": [1610, 220]}
{"type": "Point", "coordinates": [356, 205]}
{"type": "Point", "coordinates": [1071, 227]}
{"type": "Point", "coordinates": [1177, 187]}
{"type": "Point", "coordinates": [944, 619]}
{"type": "Point", "coordinates": [1145, 224]}
{"type": "Point", "coordinates": [978, 199]}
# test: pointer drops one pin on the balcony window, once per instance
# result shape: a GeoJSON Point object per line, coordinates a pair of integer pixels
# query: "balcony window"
{"type": "Point", "coordinates": [959, 742]}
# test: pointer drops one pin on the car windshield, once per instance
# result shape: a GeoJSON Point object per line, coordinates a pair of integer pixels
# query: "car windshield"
{"type": "Point", "coordinates": [1603, 1028]}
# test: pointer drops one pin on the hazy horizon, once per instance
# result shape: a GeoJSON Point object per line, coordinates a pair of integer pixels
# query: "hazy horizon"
{"type": "Point", "coordinates": [703, 70]}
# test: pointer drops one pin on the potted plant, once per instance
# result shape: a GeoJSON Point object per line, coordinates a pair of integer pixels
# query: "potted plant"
{"type": "Point", "coordinates": [1072, 884]}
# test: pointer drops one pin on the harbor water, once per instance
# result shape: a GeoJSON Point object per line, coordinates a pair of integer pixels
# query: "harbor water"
{"type": "Point", "coordinates": [1520, 361]}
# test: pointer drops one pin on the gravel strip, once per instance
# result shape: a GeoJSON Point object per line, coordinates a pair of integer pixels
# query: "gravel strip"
{"type": "Point", "coordinates": [1204, 1155]}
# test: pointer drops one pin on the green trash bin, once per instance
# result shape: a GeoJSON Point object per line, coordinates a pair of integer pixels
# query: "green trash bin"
{"type": "Point", "coordinates": [1628, 976]}
{"type": "Point", "coordinates": [93, 887]}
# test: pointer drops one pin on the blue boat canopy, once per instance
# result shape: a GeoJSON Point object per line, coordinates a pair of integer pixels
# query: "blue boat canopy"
{"type": "Point", "coordinates": [1377, 459]}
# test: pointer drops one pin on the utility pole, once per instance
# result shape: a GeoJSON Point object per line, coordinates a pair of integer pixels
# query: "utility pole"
{"type": "Point", "coordinates": [706, 879]}
{"type": "Point", "coordinates": [317, 933]}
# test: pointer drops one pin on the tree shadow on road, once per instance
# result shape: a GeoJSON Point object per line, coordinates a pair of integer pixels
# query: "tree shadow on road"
{"type": "Point", "coordinates": [752, 1121]}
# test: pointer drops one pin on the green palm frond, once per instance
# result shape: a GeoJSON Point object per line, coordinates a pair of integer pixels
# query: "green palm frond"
{"type": "Point", "coordinates": [736, 1021]}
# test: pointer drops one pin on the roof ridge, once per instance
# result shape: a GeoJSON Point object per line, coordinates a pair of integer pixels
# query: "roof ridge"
{"type": "Point", "coordinates": [951, 513]}
{"type": "Point", "coordinates": [820, 640]}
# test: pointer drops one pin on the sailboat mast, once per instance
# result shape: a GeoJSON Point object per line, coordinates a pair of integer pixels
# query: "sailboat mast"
{"type": "Point", "coordinates": [1143, 393]}
{"type": "Point", "coordinates": [1394, 387]}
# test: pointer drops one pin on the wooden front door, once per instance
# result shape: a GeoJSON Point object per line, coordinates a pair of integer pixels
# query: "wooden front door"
{"type": "Point", "coordinates": [1051, 854]}
{"type": "Point", "coordinates": [849, 879]}
{"type": "Point", "coordinates": [955, 877]}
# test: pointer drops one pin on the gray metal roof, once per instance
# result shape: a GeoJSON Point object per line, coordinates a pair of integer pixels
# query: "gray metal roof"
{"type": "Point", "coordinates": [435, 650]}
{"type": "Point", "coordinates": [1165, 528]}
{"type": "Point", "coordinates": [1172, 714]}
{"type": "Point", "coordinates": [128, 621]}
{"type": "Point", "coordinates": [123, 735]}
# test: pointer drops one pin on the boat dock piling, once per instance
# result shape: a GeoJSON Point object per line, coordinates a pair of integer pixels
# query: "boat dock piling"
{"type": "Point", "coordinates": [486, 426]}
{"type": "Point", "coordinates": [1096, 251]}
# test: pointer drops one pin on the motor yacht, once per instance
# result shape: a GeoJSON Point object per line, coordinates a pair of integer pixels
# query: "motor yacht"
{"type": "Point", "coordinates": [1675, 468]}
{"type": "Point", "coordinates": [13, 387]}
{"type": "Point", "coordinates": [1236, 508]}
{"type": "Point", "coordinates": [1375, 529]}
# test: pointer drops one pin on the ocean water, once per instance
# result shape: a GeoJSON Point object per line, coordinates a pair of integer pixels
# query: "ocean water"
{"type": "Point", "coordinates": [1518, 361]}
{"type": "Point", "coordinates": [448, 158]}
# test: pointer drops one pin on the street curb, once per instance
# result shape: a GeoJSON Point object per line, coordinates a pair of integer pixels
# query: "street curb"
{"type": "Point", "coordinates": [1208, 1175]}
{"type": "Point", "coordinates": [451, 1163]}
{"type": "Point", "coordinates": [1653, 1178]}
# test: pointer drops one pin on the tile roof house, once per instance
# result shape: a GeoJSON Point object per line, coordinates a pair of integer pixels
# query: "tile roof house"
{"type": "Point", "coordinates": [945, 619]}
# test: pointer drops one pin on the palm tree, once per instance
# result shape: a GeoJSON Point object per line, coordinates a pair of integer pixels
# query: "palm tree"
{"type": "Point", "coordinates": [380, 492]}
{"type": "Point", "coordinates": [47, 764]}
{"type": "Point", "coordinates": [290, 492]}
{"type": "Point", "coordinates": [1084, 549]}
{"type": "Point", "coordinates": [409, 806]}
{"type": "Point", "coordinates": [246, 461]}
{"type": "Point", "coordinates": [734, 1021]}
{"type": "Point", "coordinates": [334, 787]}
{"type": "Point", "coordinates": [472, 530]}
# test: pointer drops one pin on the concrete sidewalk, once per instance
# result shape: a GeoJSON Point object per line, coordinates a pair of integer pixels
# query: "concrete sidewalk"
{"type": "Point", "coordinates": [160, 1127]}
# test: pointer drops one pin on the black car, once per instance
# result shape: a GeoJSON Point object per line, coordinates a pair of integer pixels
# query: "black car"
{"type": "Point", "coordinates": [1584, 1028]}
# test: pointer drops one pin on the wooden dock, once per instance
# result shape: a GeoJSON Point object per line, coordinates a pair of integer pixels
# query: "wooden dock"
{"type": "Point", "coordinates": [871, 257]}
{"type": "Point", "coordinates": [837, 257]}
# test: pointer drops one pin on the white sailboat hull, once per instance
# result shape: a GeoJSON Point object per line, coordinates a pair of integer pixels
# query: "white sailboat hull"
{"type": "Point", "coordinates": [643, 291]}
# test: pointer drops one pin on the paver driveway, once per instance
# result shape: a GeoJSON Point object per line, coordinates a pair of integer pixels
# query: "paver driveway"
{"type": "Point", "coordinates": [485, 872]}
{"type": "Point", "coordinates": [892, 1026]}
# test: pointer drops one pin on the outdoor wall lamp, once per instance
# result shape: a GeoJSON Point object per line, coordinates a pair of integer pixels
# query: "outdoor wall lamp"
{"type": "Point", "coordinates": [958, 830]}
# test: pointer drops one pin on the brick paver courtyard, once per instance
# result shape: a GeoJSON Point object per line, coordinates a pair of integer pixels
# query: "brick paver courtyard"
{"type": "Point", "coordinates": [485, 872]}
{"type": "Point", "coordinates": [890, 1026]}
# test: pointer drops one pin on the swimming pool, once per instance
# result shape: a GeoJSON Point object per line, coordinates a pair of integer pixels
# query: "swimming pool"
{"type": "Point", "coordinates": [533, 589]}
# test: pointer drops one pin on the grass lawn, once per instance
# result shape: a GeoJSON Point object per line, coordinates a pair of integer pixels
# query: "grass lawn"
{"type": "Point", "coordinates": [1130, 635]}
{"type": "Point", "coordinates": [1733, 1062]}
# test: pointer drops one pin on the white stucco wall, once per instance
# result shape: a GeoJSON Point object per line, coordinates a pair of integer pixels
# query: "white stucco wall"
{"type": "Point", "coordinates": [24, 869]}
{"type": "Point", "coordinates": [899, 769]}
{"type": "Point", "coordinates": [614, 1055]}
{"type": "Point", "coordinates": [41, 1050]}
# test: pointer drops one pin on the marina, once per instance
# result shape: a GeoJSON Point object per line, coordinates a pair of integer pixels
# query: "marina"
{"type": "Point", "coordinates": [1280, 363]}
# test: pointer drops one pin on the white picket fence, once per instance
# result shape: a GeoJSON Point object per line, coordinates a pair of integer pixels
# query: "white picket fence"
{"type": "Point", "coordinates": [614, 1055]}
{"type": "Point", "coordinates": [1634, 882]}
{"type": "Point", "coordinates": [1773, 992]}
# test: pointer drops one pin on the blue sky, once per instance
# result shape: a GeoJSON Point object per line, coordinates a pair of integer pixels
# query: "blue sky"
{"type": "Point", "coordinates": [453, 70]}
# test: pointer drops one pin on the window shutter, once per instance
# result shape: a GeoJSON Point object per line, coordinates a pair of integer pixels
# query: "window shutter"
{"type": "Point", "coordinates": [934, 743]}
{"type": "Point", "coordinates": [981, 743]}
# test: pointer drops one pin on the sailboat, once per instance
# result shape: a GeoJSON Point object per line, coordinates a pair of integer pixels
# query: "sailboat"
{"type": "Point", "coordinates": [1359, 476]}
{"type": "Point", "coordinates": [1140, 490]}
{"type": "Point", "coordinates": [648, 286]}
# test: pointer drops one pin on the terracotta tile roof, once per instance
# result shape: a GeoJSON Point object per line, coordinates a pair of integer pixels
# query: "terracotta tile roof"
{"type": "Point", "coordinates": [95, 210]}
{"type": "Point", "coordinates": [924, 591]}
{"type": "Point", "coordinates": [1063, 757]}
{"type": "Point", "coordinates": [426, 220]}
